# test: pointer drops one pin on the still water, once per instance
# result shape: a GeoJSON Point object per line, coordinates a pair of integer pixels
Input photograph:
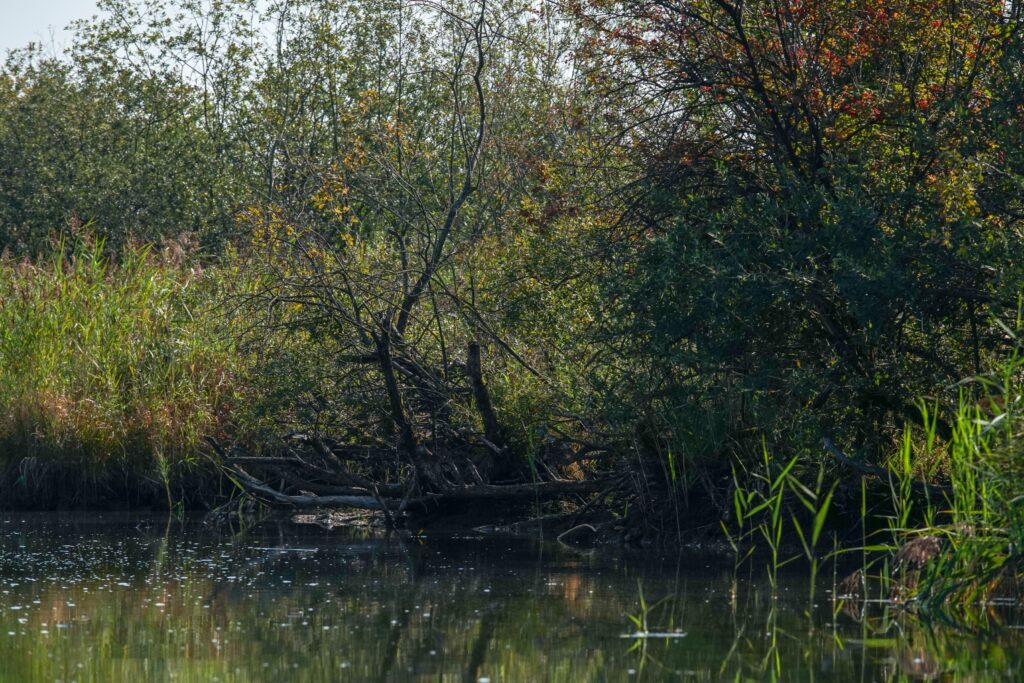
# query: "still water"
{"type": "Point", "coordinates": [116, 598]}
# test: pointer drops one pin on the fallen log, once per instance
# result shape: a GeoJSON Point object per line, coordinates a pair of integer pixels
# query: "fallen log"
{"type": "Point", "coordinates": [543, 490]}
{"type": "Point", "coordinates": [271, 496]}
{"type": "Point", "coordinates": [388, 498]}
{"type": "Point", "coordinates": [340, 480]}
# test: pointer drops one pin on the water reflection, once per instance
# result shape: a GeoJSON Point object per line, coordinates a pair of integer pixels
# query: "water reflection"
{"type": "Point", "coordinates": [115, 598]}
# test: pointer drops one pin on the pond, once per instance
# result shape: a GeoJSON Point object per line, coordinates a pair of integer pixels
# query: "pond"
{"type": "Point", "coordinates": [122, 598]}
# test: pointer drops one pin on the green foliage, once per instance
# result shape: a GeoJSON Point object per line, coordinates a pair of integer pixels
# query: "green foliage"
{"type": "Point", "coordinates": [771, 504]}
{"type": "Point", "coordinates": [982, 522]}
{"type": "Point", "coordinates": [110, 147]}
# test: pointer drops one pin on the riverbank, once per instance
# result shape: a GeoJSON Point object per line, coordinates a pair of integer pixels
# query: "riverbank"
{"type": "Point", "coordinates": [125, 383]}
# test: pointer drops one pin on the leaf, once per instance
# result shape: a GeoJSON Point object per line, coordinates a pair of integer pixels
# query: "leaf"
{"type": "Point", "coordinates": [822, 514]}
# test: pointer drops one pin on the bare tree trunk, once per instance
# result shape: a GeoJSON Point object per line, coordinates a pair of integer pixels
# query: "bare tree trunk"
{"type": "Point", "coordinates": [482, 397]}
{"type": "Point", "coordinates": [403, 427]}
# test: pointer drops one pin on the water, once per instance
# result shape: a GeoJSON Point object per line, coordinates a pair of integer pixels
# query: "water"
{"type": "Point", "coordinates": [109, 598]}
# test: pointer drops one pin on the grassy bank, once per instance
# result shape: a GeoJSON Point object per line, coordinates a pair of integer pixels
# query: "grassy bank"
{"type": "Point", "coordinates": [110, 372]}
{"type": "Point", "coordinates": [940, 525]}
{"type": "Point", "coordinates": [969, 535]}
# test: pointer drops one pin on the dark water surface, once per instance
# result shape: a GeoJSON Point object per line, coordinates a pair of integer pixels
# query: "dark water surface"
{"type": "Point", "coordinates": [116, 598]}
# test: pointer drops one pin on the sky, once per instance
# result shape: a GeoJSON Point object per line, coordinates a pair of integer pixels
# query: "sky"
{"type": "Point", "coordinates": [43, 21]}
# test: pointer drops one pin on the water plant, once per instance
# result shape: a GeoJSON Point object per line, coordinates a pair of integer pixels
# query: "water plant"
{"type": "Point", "coordinates": [762, 512]}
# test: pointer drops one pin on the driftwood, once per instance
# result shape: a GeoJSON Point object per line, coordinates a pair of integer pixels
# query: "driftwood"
{"type": "Point", "coordinates": [388, 498]}
{"type": "Point", "coordinates": [308, 476]}
{"type": "Point", "coordinates": [272, 496]}
{"type": "Point", "coordinates": [420, 461]}
{"type": "Point", "coordinates": [547, 490]}
{"type": "Point", "coordinates": [542, 490]}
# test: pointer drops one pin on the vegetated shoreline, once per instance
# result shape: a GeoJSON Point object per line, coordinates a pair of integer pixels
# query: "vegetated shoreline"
{"type": "Point", "coordinates": [121, 389]}
{"type": "Point", "coordinates": [929, 560]}
{"type": "Point", "coordinates": [492, 259]}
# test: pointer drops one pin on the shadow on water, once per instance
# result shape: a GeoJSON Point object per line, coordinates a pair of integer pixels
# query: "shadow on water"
{"type": "Point", "coordinates": [117, 598]}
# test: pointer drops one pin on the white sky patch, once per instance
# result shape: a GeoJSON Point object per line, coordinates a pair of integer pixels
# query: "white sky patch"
{"type": "Point", "coordinates": [40, 21]}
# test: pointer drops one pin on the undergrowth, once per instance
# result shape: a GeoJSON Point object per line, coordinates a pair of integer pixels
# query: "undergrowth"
{"type": "Point", "coordinates": [114, 366]}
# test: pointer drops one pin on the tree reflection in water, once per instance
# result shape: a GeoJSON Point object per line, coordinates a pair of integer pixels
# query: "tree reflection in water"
{"type": "Point", "coordinates": [110, 598]}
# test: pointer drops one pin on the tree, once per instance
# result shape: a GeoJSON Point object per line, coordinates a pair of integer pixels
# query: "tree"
{"type": "Point", "coordinates": [117, 149]}
{"type": "Point", "coordinates": [397, 176]}
{"type": "Point", "coordinates": [812, 247]}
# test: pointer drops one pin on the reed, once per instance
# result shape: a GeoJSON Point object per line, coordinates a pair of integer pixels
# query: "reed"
{"type": "Point", "coordinates": [963, 549]}
{"type": "Point", "coordinates": [770, 506]}
{"type": "Point", "coordinates": [945, 526]}
{"type": "Point", "coordinates": [107, 364]}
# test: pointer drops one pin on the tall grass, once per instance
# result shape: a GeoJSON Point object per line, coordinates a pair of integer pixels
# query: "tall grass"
{"type": "Point", "coordinates": [107, 364]}
{"type": "Point", "coordinates": [946, 523]}
{"type": "Point", "coordinates": [768, 506]}
{"type": "Point", "coordinates": [981, 526]}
